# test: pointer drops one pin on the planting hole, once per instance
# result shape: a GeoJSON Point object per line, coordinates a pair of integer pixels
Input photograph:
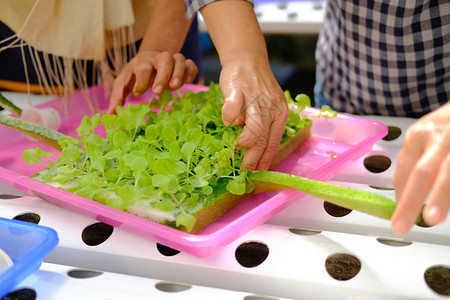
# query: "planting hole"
{"type": "Point", "coordinates": [170, 287]}
{"type": "Point", "coordinates": [381, 188]}
{"type": "Point", "coordinates": [335, 210]}
{"type": "Point", "coordinates": [377, 163]}
{"type": "Point", "coordinates": [393, 133]}
{"type": "Point", "coordinates": [83, 274]}
{"type": "Point", "coordinates": [422, 222]}
{"type": "Point", "coordinates": [259, 297]}
{"type": "Point", "coordinates": [282, 5]}
{"type": "Point", "coordinates": [301, 231]}
{"type": "Point", "coordinates": [342, 266]}
{"type": "Point", "coordinates": [22, 294]}
{"type": "Point", "coordinates": [28, 217]}
{"type": "Point", "coordinates": [251, 254]}
{"type": "Point", "coordinates": [438, 279]}
{"type": "Point", "coordinates": [96, 234]}
{"type": "Point", "coordinates": [166, 251]}
{"type": "Point", "coordinates": [8, 197]}
{"type": "Point", "coordinates": [393, 242]}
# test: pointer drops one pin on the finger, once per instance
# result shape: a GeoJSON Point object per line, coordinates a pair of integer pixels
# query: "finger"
{"type": "Point", "coordinates": [408, 156]}
{"type": "Point", "coordinates": [253, 154]}
{"type": "Point", "coordinates": [438, 204]}
{"type": "Point", "coordinates": [254, 124]}
{"type": "Point", "coordinates": [274, 139]}
{"type": "Point", "coordinates": [179, 69]}
{"type": "Point", "coordinates": [164, 66]}
{"type": "Point", "coordinates": [232, 106]}
{"type": "Point", "coordinates": [191, 71]}
{"type": "Point", "coordinates": [416, 190]}
{"type": "Point", "coordinates": [121, 88]}
{"type": "Point", "coordinates": [143, 75]}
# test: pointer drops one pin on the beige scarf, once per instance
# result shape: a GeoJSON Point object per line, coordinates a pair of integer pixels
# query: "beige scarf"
{"type": "Point", "coordinates": [76, 31]}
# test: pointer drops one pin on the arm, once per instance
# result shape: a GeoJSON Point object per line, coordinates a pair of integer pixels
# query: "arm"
{"type": "Point", "coordinates": [157, 63]}
{"type": "Point", "coordinates": [423, 170]}
{"type": "Point", "coordinates": [253, 97]}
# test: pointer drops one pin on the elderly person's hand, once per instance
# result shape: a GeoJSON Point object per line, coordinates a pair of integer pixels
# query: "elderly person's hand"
{"type": "Point", "coordinates": [423, 170]}
{"type": "Point", "coordinates": [158, 70]}
{"type": "Point", "coordinates": [253, 98]}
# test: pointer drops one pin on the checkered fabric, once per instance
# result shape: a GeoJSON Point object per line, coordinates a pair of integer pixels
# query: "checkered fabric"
{"type": "Point", "coordinates": [385, 57]}
{"type": "Point", "coordinates": [192, 6]}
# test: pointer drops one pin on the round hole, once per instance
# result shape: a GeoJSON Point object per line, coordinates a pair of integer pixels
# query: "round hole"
{"type": "Point", "coordinates": [96, 234]}
{"type": "Point", "coordinates": [342, 266]}
{"type": "Point", "coordinates": [8, 197]}
{"type": "Point", "coordinates": [335, 210]}
{"type": "Point", "coordinates": [170, 287]}
{"type": "Point", "coordinates": [83, 274]}
{"type": "Point", "coordinates": [421, 222]}
{"type": "Point", "coordinates": [292, 15]}
{"type": "Point", "coordinates": [259, 297]}
{"type": "Point", "coordinates": [393, 133]}
{"type": "Point", "coordinates": [166, 251]}
{"type": "Point", "coordinates": [28, 217]}
{"type": "Point", "coordinates": [381, 188]}
{"type": "Point", "coordinates": [22, 294]}
{"type": "Point", "coordinates": [377, 163]}
{"type": "Point", "coordinates": [305, 232]}
{"type": "Point", "coordinates": [438, 279]}
{"type": "Point", "coordinates": [251, 254]}
{"type": "Point", "coordinates": [282, 5]}
{"type": "Point", "coordinates": [393, 242]}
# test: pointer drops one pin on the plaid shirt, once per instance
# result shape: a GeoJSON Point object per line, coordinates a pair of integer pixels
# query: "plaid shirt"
{"type": "Point", "coordinates": [192, 6]}
{"type": "Point", "coordinates": [385, 57]}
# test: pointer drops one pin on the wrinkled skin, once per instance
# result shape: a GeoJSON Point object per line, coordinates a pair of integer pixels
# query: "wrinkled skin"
{"type": "Point", "coordinates": [423, 170]}
{"type": "Point", "coordinates": [254, 100]}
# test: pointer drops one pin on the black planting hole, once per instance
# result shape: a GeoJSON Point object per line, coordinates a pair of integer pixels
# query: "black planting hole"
{"type": "Point", "coordinates": [421, 222]}
{"type": "Point", "coordinates": [170, 287]}
{"type": "Point", "coordinates": [393, 133]}
{"type": "Point", "coordinates": [22, 294]}
{"type": "Point", "coordinates": [342, 266]}
{"type": "Point", "coordinates": [259, 297]}
{"type": "Point", "coordinates": [251, 254]}
{"type": "Point", "coordinates": [96, 234]}
{"type": "Point", "coordinates": [393, 242]}
{"type": "Point", "coordinates": [438, 279]}
{"type": "Point", "coordinates": [282, 5]}
{"type": "Point", "coordinates": [28, 217]}
{"type": "Point", "coordinates": [335, 210]}
{"type": "Point", "coordinates": [292, 15]}
{"type": "Point", "coordinates": [306, 232]}
{"type": "Point", "coordinates": [377, 163]}
{"type": "Point", "coordinates": [8, 197]}
{"type": "Point", "coordinates": [166, 251]}
{"type": "Point", "coordinates": [381, 188]}
{"type": "Point", "coordinates": [83, 274]}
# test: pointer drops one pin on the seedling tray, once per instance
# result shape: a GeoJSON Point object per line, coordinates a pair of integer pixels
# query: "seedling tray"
{"type": "Point", "coordinates": [26, 244]}
{"type": "Point", "coordinates": [334, 144]}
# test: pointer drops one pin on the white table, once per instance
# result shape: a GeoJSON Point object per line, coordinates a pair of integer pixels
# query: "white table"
{"type": "Point", "coordinates": [299, 241]}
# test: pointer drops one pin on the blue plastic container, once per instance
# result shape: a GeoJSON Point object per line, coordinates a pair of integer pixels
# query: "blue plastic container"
{"type": "Point", "coordinates": [26, 244]}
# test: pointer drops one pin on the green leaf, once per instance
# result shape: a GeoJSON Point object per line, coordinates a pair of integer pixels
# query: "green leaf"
{"type": "Point", "coordinates": [186, 220]}
{"type": "Point", "coordinates": [327, 112]}
{"type": "Point", "coordinates": [33, 156]}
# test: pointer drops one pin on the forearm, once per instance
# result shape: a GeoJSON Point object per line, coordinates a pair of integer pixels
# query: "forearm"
{"type": "Point", "coordinates": [167, 28]}
{"type": "Point", "coordinates": [234, 30]}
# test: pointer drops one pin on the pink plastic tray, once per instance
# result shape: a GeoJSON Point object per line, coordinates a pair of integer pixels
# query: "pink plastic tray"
{"type": "Point", "coordinates": [334, 144]}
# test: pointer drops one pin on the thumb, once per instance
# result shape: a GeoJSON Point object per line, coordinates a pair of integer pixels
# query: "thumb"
{"type": "Point", "coordinates": [232, 107]}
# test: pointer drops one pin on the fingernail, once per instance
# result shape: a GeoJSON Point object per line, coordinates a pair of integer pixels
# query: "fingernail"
{"type": "Point", "coordinates": [176, 82]}
{"type": "Point", "coordinates": [434, 213]}
{"type": "Point", "coordinates": [401, 226]}
{"type": "Point", "coordinates": [226, 123]}
{"type": "Point", "coordinates": [158, 89]}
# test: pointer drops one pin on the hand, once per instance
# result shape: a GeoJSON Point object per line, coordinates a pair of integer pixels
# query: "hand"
{"type": "Point", "coordinates": [160, 70]}
{"type": "Point", "coordinates": [423, 170]}
{"type": "Point", "coordinates": [254, 99]}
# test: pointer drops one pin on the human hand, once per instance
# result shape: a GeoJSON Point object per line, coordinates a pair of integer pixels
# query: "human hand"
{"type": "Point", "coordinates": [254, 100]}
{"type": "Point", "coordinates": [160, 70]}
{"type": "Point", "coordinates": [423, 170]}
